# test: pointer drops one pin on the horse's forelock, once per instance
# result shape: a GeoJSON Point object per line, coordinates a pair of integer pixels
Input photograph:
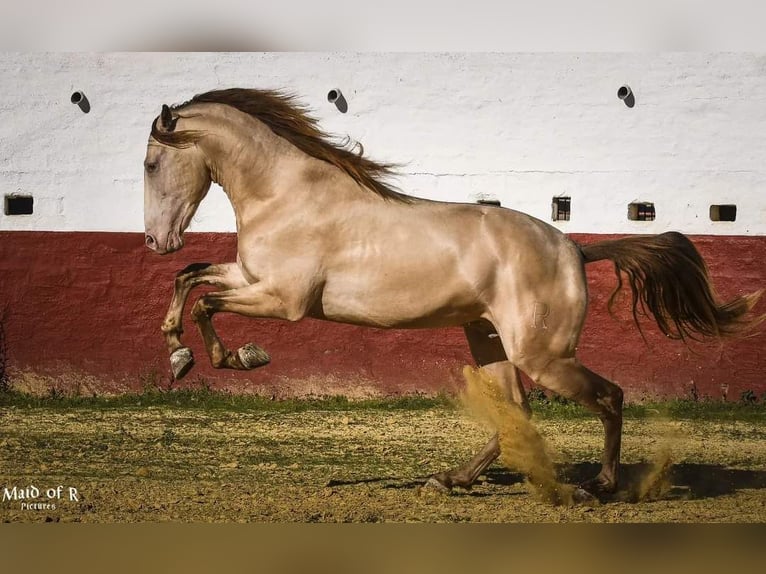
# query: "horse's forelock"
{"type": "Point", "coordinates": [177, 139]}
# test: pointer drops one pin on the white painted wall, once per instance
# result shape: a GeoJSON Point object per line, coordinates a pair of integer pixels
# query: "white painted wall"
{"type": "Point", "coordinates": [521, 128]}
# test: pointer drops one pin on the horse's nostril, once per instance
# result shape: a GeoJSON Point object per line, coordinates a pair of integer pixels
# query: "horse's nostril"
{"type": "Point", "coordinates": [151, 243]}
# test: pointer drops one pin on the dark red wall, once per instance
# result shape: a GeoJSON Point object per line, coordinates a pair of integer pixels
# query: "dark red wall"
{"type": "Point", "coordinates": [86, 307]}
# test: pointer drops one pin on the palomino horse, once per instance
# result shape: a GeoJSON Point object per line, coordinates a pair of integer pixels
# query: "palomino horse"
{"type": "Point", "coordinates": [320, 234]}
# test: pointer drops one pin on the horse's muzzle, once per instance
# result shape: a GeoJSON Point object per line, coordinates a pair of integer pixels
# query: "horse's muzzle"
{"type": "Point", "coordinates": [151, 242]}
{"type": "Point", "coordinates": [171, 244]}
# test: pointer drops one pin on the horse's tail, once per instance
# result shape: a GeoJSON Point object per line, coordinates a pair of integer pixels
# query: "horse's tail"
{"type": "Point", "coordinates": [668, 278]}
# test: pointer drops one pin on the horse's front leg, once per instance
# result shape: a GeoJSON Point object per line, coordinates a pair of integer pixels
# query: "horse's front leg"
{"type": "Point", "coordinates": [255, 300]}
{"type": "Point", "coordinates": [224, 276]}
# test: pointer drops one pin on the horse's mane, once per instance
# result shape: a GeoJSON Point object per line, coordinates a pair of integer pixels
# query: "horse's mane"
{"type": "Point", "coordinates": [289, 119]}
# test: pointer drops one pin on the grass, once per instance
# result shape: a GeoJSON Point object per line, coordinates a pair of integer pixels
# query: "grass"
{"type": "Point", "coordinates": [206, 399]}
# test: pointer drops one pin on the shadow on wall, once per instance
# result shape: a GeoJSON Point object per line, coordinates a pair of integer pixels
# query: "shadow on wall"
{"type": "Point", "coordinates": [203, 37]}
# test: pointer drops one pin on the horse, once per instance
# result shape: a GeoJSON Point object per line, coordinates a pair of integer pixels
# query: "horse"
{"type": "Point", "coordinates": [322, 233]}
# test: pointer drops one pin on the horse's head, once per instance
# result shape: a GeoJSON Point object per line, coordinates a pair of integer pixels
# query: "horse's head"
{"type": "Point", "coordinates": [176, 180]}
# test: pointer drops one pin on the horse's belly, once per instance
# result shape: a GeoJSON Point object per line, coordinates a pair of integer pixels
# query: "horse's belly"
{"type": "Point", "coordinates": [399, 308]}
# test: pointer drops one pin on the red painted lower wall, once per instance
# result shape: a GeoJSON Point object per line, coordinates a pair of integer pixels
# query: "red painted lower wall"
{"type": "Point", "coordinates": [84, 309]}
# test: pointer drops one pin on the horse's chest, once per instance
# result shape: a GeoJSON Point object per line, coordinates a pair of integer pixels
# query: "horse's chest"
{"type": "Point", "coordinates": [262, 257]}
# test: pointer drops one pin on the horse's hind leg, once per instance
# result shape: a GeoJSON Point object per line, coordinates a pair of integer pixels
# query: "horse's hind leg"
{"type": "Point", "coordinates": [225, 276]}
{"type": "Point", "coordinates": [570, 379]}
{"type": "Point", "coordinates": [488, 352]}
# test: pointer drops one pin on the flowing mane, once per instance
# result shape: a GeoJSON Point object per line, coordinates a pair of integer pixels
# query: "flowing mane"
{"type": "Point", "coordinates": [289, 119]}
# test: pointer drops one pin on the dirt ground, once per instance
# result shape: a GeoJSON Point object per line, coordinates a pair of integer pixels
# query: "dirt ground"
{"type": "Point", "coordinates": [156, 464]}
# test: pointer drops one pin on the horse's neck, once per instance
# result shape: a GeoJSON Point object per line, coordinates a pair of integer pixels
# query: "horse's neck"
{"type": "Point", "coordinates": [234, 148]}
{"type": "Point", "coordinates": [255, 166]}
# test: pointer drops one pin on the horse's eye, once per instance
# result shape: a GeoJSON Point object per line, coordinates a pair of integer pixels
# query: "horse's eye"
{"type": "Point", "coordinates": [151, 167]}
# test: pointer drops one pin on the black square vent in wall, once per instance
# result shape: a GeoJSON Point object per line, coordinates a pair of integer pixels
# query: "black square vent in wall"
{"type": "Point", "coordinates": [19, 204]}
{"type": "Point", "coordinates": [723, 213]}
{"type": "Point", "coordinates": [641, 211]}
{"type": "Point", "coordinates": [562, 208]}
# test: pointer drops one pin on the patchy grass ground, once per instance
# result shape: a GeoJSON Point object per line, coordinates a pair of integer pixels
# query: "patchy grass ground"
{"type": "Point", "coordinates": [203, 456]}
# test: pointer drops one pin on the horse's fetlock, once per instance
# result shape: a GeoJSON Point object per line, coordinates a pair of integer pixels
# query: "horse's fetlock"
{"type": "Point", "coordinates": [218, 359]}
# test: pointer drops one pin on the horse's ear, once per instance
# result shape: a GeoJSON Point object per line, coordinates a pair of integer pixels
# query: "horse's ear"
{"type": "Point", "coordinates": [167, 121]}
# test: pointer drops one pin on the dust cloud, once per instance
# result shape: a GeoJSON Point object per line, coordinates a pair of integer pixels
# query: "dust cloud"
{"type": "Point", "coordinates": [522, 448]}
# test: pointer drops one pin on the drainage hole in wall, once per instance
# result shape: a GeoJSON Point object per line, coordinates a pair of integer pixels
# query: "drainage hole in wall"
{"type": "Point", "coordinates": [723, 213]}
{"type": "Point", "coordinates": [641, 211]}
{"type": "Point", "coordinates": [562, 208]}
{"type": "Point", "coordinates": [19, 204]}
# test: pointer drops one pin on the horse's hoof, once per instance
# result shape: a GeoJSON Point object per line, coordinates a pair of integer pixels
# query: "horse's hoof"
{"type": "Point", "coordinates": [598, 487]}
{"type": "Point", "coordinates": [181, 361]}
{"type": "Point", "coordinates": [252, 356]}
{"type": "Point", "coordinates": [436, 485]}
{"type": "Point", "coordinates": [582, 496]}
